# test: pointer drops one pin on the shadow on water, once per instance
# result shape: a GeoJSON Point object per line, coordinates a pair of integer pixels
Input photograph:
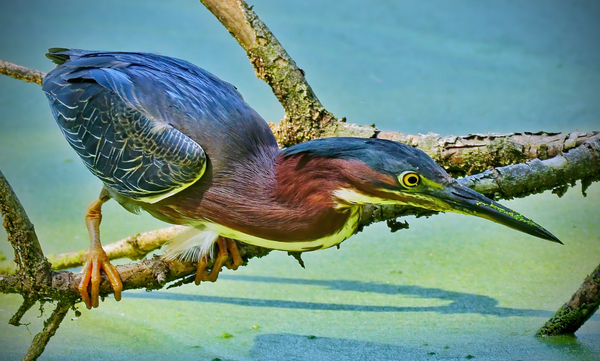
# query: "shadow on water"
{"type": "Point", "coordinates": [461, 303]}
{"type": "Point", "coordinates": [302, 347]}
{"type": "Point", "coordinates": [299, 347]}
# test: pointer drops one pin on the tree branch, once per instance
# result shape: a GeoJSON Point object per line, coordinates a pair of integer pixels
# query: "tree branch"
{"type": "Point", "coordinates": [21, 72]}
{"type": "Point", "coordinates": [305, 117]}
{"type": "Point", "coordinates": [38, 345]}
{"type": "Point", "coordinates": [475, 153]}
{"type": "Point", "coordinates": [535, 176]}
{"type": "Point", "coordinates": [29, 257]}
{"type": "Point", "coordinates": [32, 278]}
{"type": "Point", "coordinates": [133, 247]}
{"type": "Point", "coordinates": [572, 315]}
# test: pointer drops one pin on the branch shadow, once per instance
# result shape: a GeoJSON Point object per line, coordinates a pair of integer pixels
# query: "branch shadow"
{"type": "Point", "coordinates": [461, 303]}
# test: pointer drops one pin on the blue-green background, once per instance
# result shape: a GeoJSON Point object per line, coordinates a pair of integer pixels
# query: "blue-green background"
{"type": "Point", "coordinates": [449, 287]}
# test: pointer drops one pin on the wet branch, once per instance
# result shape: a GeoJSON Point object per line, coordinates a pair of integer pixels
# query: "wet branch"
{"type": "Point", "coordinates": [572, 315]}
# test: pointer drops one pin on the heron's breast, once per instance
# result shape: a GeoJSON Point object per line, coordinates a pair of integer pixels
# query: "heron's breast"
{"type": "Point", "coordinates": [295, 245]}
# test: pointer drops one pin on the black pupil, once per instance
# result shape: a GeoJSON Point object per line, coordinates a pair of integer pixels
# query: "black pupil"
{"type": "Point", "coordinates": [412, 180]}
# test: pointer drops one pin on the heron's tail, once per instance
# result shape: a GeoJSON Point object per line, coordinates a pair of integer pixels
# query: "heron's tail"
{"type": "Point", "coordinates": [60, 56]}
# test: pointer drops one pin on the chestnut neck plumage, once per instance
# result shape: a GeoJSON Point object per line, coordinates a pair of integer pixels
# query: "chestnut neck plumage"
{"type": "Point", "coordinates": [267, 195]}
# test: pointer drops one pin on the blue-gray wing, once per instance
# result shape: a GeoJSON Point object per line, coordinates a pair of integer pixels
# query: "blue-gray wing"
{"type": "Point", "coordinates": [134, 152]}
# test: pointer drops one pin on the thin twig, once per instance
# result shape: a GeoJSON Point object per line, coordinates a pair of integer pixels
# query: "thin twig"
{"type": "Point", "coordinates": [21, 72]}
{"type": "Point", "coordinates": [28, 302]}
{"type": "Point", "coordinates": [50, 326]}
{"type": "Point", "coordinates": [21, 234]}
{"type": "Point", "coordinates": [133, 247]}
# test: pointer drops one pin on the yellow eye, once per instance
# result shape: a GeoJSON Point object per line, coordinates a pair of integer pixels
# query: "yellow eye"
{"type": "Point", "coordinates": [409, 179]}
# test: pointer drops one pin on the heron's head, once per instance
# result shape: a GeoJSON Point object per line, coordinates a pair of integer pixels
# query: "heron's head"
{"type": "Point", "coordinates": [394, 173]}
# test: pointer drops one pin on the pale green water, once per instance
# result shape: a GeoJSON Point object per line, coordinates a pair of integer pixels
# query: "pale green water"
{"type": "Point", "coordinates": [451, 285]}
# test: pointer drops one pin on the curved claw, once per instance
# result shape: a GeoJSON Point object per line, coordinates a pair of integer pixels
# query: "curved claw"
{"type": "Point", "coordinates": [224, 244]}
{"type": "Point", "coordinates": [236, 258]}
{"type": "Point", "coordinates": [98, 260]}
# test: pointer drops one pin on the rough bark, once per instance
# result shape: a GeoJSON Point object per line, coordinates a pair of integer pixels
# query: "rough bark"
{"type": "Point", "coordinates": [535, 176]}
{"type": "Point", "coordinates": [29, 257]}
{"type": "Point", "coordinates": [38, 345]}
{"type": "Point", "coordinates": [475, 153]}
{"type": "Point", "coordinates": [305, 117]}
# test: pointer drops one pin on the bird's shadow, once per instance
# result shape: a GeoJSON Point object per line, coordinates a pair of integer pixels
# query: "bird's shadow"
{"type": "Point", "coordinates": [460, 302]}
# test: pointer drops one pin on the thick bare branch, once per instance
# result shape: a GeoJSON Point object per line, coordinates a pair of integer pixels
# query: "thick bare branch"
{"type": "Point", "coordinates": [475, 153]}
{"type": "Point", "coordinates": [305, 117]}
{"type": "Point", "coordinates": [21, 234]}
{"type": "Point", "coordinates": [572, 315]}
{"type": "Point", "coordinates": [519, 180]}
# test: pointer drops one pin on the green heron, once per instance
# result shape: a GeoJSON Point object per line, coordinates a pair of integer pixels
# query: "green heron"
{"type": "Point", "coordinates": [170, 138]}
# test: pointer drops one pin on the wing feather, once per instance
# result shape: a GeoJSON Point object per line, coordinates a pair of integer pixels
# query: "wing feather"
{"type": "Point", "coordinates": [135, 154]}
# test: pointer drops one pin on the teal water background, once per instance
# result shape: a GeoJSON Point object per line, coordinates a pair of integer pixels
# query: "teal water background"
{"type": "Point", "coordinates": [449, 287]}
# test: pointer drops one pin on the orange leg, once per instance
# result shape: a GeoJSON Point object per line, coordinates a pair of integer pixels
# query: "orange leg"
{"type": "Point", "coordinates": [224, 245]}
{"type": "Point", "coordinates": [97, 258]}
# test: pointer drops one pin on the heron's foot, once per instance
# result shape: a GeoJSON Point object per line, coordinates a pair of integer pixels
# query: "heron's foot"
{"type": "Point", "coordinates": [96, 261]}
{"type": "Point", "coordinates": [224, 244]}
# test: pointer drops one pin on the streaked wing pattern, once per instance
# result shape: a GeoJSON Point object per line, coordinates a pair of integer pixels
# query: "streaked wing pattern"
{"type": "Point", "coordinates": [142, 158]}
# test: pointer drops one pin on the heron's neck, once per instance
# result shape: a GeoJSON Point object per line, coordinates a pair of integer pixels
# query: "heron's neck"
{"type": "Point", "coordinates": [281, 198]}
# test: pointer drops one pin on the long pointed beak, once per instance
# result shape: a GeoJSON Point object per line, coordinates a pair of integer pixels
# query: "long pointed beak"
{"type": "Point", "coordinates": [467, 201]}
